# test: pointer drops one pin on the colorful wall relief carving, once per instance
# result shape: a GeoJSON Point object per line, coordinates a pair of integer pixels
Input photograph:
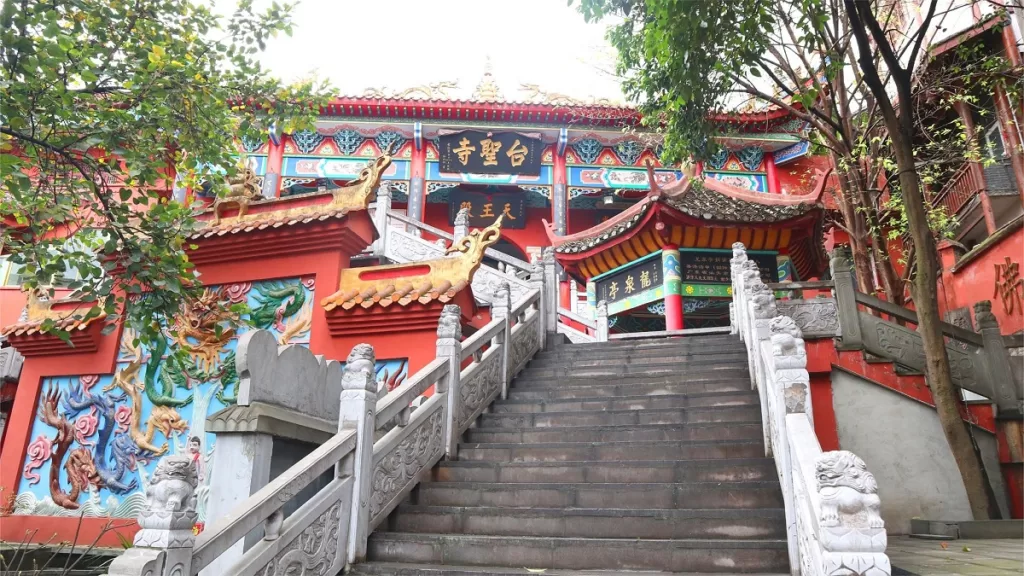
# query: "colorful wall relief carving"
{"type": "Point", "coordinates": [97, 438]}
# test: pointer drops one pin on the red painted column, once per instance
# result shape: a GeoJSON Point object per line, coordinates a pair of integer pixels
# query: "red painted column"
{"type": "Point", "coordinates": [275, 162]}
{"type": "Point", "coordinates": [673, 285]}
{"type": "Point", "coordinates": [559, 190]}
{"type": "Point", "coordinates": [564, 295]}
{"type": "Point", "coordinates": [773, 176]}
{"type": "Point", "coordinates": [417, 205]}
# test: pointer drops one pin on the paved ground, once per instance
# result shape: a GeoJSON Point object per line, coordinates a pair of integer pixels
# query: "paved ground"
{"type": "Point", "coordinates": [911, 556]}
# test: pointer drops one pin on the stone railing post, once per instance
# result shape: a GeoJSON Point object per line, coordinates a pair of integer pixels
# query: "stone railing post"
{"type": "Point", "coordinates": [461, 225]}
{"type": "Point", "coordinates": [163, 547]}
{"type": "Point", "coordinates": [761, 309]}
{"type": "Point", "coordinates": [380, 217]}
{"type": "Point", "coordinates": [359, 412]}
{"type": "Point", "coordinates": [841, 265]}
{"type": "Point", "coordinates": [748, 277]}
{"type": "Point", "coordinates": [851, 531]}
{"type": "Point", "coordinates": [739, 256]}
{"type": "Point", "coordinates": [501, 305]}
{"type": "Point", "coordinates": [537, 283]}
{"type": "Point", "coordinates": [550, 291]}
{"type": "Point", "coordinates": [574, 297]}
{"type": "Point", "coordinates": [602, 321]}
{"type": "Point", "coordinates": [1008, 397]}
{"type": "Point", "coordinates": [790, 386]}
{"type": "Point", "coordinates": [449, 345]}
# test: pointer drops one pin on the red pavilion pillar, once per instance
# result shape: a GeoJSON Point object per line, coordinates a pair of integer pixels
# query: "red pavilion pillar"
{"type": "Point", "coordinates": [673, 286]}
{"type": "Point", "coordinates": [772, 174]}
{"type": "Point", "coordinates": [559, 192]}
{"type": "Point", "coordinates": [275, 162]}
{"type": "Point", "coordinates": [416, 207]}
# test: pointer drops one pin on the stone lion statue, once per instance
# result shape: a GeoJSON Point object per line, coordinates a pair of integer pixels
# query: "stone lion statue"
{"type": "Point", "coordinates": [787, 340]}
{"type": "Point", "coordinates": [361, 358]}
{"type": "Point", "coordinates": [450, 323]}
{"type": "Point", "coordinates": [763, 300]}
{"type": "Point", "coordinates": [172, 486]}
{"type": "Point", "coordinates": [847, 489]}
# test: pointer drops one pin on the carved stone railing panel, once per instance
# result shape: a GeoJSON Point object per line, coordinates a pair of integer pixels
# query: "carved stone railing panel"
{"type": "Point", "coordinates": [480, 383]}
{"type": "Point", "coordinates": [403, 455]}
{"type": "Point", "coordinates": [525, 343]}
{"type": "Point", "coordinates": [312, 540]}
{"type": "Point", "coordinates": [816, 318]}
{"type": "Point", "coordinates": [903, 345]}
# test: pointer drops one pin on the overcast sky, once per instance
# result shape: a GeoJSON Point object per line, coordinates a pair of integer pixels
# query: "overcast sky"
{"type": "Point", "coordinates": [358, 44]}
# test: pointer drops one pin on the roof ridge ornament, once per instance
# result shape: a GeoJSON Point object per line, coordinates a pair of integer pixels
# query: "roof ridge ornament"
{"type": "Point", "coordinates": [353, 196]}
{"type": "Point", "coordinates": [422, 281]}
{"type": "Point", "coordinates": [487, 90]}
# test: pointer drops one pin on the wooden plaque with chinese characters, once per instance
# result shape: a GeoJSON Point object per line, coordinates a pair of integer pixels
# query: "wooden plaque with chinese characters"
{"type": "Point", "coordinates": [484, 209]}
{"type": "Point", "coordinates": [475, 152]}
{"type": "Point", "coordinates": [630, 280]}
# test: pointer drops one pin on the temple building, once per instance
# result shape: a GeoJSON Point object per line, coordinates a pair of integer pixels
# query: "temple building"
{"type": "Point", "coordinates": [563, 171]}
{"type": "Point", "coordinates": [362, 230]}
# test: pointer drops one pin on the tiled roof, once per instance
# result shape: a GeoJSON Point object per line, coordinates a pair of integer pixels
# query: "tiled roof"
{"type": "Point", "coordinates": [708, 199]}
{"type": "Point", "coordinates": [701, 201]}
{"type": "Point", "coordinates": [30, 327]}
{"type": "Point", "coordinates": [354, 196]}
{"type": "Point", "coordinates": [271, 219]}
{"type": "Point", "coordinates": [400, 292]}
{"type": "Point", "coordinates": [38, 309]}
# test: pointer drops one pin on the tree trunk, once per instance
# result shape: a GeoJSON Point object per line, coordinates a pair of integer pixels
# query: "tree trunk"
{"type": "Point", "coordinates": [883, 261]}
{"type": "Point", "coordinates": [924, 288]}
{"type": "Point", "coordinates": [855, 227]}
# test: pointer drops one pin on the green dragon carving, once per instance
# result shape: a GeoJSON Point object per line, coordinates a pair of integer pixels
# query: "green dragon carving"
{"type": "Point", "coordinates": [228, 379]}
{"type": "Point", "coordinates": [277, 301]}
{"type": "Point", "coordinates": [171, 377]}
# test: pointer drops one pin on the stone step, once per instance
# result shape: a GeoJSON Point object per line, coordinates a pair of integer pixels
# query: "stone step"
{"type": "Point", "coordinates": [581, 553]}
{"type": "Point", "coordinates": [403, 569]}
{"type": "Point", "coordinates": [580, 388]}
{"type": "Point", "coordinates": [721, 340]}
{"type": "Point", "coordinates": [699, 381]}
{"type": "Point", "coordinates": [611, 451]}
{"type": "Point", "coordinates": [644, 472]}
{"type": "Point", "coordinates": [764, 494]}
{"type": "Point", "coordinates": [640, 358]}
{"type": "Point", "coordinates": [594, 522]}
{"type": "Point", "coordinates": [613, 368]}
{"type": "Point", "coordinates": [749, 413]}
{"type": "Point", "coordinates": [637, 402]}
{"type": "Point", "coordinates": [645, 432]}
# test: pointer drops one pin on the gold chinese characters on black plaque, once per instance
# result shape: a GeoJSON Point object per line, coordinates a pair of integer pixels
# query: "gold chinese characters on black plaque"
{"type": "Point", "coordinates": [484, 208]}
{"type": "Point", "coordinates": [478, 152]}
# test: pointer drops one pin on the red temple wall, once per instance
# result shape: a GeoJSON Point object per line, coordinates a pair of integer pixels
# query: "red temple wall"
{"type": "Point", "coordinates": [798, 177]}
{"type": "Point", "coordinates": [976, 280]}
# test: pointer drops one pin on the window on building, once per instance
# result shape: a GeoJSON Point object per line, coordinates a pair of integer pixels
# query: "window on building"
{"type": "Point", "coordinates": [992, 141]}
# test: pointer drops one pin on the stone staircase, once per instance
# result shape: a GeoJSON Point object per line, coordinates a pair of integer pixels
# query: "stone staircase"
{"type": "Point", "coordinates": [629, 457]}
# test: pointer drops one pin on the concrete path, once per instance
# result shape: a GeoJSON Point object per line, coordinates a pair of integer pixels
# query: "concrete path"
{"type": "Point", "coordinates": [915, 557]}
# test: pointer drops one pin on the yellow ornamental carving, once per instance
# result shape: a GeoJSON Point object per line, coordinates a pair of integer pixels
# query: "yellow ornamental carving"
{"type": "Point", "coordinates": [355, 195]}
{"type": "Point", "coordinates": [422, 281]}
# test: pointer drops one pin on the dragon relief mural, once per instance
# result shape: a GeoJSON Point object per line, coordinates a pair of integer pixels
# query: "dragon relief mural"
{"type": "Point", "coordinates": [97, 439]}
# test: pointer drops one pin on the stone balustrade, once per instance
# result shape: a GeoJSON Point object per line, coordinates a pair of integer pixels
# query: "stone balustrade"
{"type": "Point", "coordinates": [831, 501]}
{"type": "Point", "coordinates": [370, 478]}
